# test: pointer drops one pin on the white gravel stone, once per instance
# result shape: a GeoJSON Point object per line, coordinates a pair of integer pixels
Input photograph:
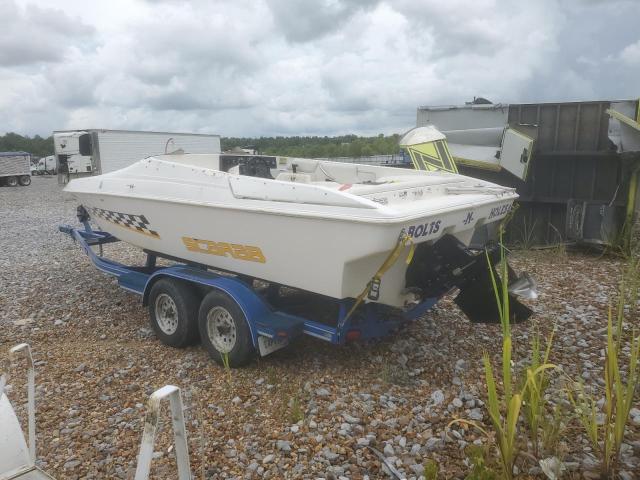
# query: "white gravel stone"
{"type": "Point", "coordinates": [476, 414]}
{"type": "Point", "coordinates": [437, 397]}
{"type": "Point", "coordinates": [350, 419]}
{"type": "Point", "coordinates": [283, 445]}
{"type": "Point", "coordinates": [322, 392]}
{"type": "Point", "coordinates": [388, 450]}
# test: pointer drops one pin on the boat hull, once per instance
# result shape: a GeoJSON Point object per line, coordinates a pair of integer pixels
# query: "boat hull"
{"type": "Point", "coordinates": [329, 256]}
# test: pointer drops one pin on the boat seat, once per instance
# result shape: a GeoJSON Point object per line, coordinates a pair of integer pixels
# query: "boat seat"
{"type": "Point", "coordinates": [294, 177]}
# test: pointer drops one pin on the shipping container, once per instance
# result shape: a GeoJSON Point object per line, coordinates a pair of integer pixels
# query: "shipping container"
{"type": "Point", "coordinates": [94, 152]}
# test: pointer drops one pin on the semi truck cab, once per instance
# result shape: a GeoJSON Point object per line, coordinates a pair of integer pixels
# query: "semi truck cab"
{"type": "Point", "coordinates": [69, 158]}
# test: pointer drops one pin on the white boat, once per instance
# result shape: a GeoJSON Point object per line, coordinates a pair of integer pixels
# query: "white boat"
{"type": "Point", "coordinates": [320, 226]}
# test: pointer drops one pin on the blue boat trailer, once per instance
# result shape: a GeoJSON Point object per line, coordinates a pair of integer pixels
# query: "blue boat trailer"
{"type": "Point", "coordinates": [272, 320]}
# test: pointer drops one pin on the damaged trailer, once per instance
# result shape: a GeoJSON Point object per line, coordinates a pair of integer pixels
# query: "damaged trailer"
{"type": "Point", "coordinates": [575, 165]}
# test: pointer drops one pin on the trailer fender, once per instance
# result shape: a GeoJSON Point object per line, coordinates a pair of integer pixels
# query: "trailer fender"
{"type": "Point", "coordinates": [252, 305]}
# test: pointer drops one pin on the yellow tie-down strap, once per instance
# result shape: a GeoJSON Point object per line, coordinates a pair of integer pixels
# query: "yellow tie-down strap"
{"type": "Point", "coordinates": [403, 241]}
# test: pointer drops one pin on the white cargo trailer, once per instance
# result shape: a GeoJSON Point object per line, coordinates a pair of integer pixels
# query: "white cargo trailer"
{"type": "Point", "coordinates": [15, 168]}
{"type": "Point", "coordinates": [94, 152]}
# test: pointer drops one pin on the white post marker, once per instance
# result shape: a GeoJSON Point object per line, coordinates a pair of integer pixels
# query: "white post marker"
{"type": "Point", "coordinates": [149, 435]}
{"type": "Point", "coordinates": [31, 395]}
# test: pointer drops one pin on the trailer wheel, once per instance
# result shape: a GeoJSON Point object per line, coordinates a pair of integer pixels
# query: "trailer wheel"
{"type": "Point", "coordinates": [25, 180]}
{"type": "Point", "coordinates": [224, 330]}
{"type": "Point", "coordinates": [173, 312]}
{"type": "Point", "coordinates": [12, 181]}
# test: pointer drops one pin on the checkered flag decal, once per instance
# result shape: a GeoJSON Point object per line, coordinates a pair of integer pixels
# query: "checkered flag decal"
{"type": "Point", "coordinates": [138, 223]}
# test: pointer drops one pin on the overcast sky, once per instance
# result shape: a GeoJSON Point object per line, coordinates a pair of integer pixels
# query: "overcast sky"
{"type": "Point", "coordinates": [287, 67]}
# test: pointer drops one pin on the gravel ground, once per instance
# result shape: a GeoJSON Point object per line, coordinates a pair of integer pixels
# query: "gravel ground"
{"type": "Point", "coordinates": [308, 411]}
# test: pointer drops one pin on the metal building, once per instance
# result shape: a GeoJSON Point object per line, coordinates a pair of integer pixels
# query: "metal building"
{"type": "Point", "coordinates": [574, 164]}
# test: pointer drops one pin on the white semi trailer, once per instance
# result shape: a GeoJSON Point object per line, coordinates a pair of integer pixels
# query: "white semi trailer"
{"type": "Point", "coordinates": [15, 168]}
{"type": "Point", "coordinates": [94, 152]}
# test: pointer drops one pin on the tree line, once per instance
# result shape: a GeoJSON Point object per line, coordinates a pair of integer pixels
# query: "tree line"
{"type": "Point", "coordinates": [296, 146]}
{"type": "Point", "coordinates": [314, 147]}
{"type": "Point", "coordinates": [36, 146]}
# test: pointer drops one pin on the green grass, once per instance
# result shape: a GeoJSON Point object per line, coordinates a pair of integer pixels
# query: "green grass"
{"type": "Point", "coordinates": [385, 374]}
{"type": "Point", "coordinates": [534, 396]}
{"type": "Point", "coordinates": [505, 407]}
{"type": "Point", "coordinates": [478, 456]}
{"type": "Point", "coordinates": [431, 470]}
{"type": "Point", "coordinates": [606, 436]}
{"type": "Point", "coordinates": [272, 375]}
{"type": "Point", "coordinates": [559, 249]}
{"type": "Point", "coordinates": [226, 365]}
{"type": "Point", "coordinates": [527, 234]}
{"type": "Point", "coordinates": [290, 404]}
{"type": "Point", "coordinates": [552, 427]}
{"type": "Point", "coordinates": [295, 410]}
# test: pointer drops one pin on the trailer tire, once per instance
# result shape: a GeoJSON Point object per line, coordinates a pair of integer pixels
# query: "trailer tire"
{"type": "Point", "coordinates": [173, 312]}
{"type": "Point", "coordinates": [224, 329]}
{"type": "Point", "coordinates": [12, 181]}
{"type": "Point", "coordinates": [25, 180]}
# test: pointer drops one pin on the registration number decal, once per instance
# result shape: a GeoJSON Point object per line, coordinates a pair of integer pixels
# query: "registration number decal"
{"type": "Point", "coordinates": [499, 211]}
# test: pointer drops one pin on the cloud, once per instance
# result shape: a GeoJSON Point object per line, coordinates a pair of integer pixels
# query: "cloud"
{"type": "Point", "coordinates": [269, 67]}
{"type": "Point", "coordinates": [304, 21]}
{"type": "Point", "coordinates": [631, 54]}
{"type": "Point", "coordinates": [36, 34]}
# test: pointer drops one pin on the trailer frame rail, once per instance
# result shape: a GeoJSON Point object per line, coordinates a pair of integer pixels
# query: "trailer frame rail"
{"type": "Point", "coordinates": [370, 320]}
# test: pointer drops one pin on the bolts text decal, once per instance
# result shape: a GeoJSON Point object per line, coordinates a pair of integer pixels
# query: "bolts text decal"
{"type": "Point", "coordinates": [428, 228]}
